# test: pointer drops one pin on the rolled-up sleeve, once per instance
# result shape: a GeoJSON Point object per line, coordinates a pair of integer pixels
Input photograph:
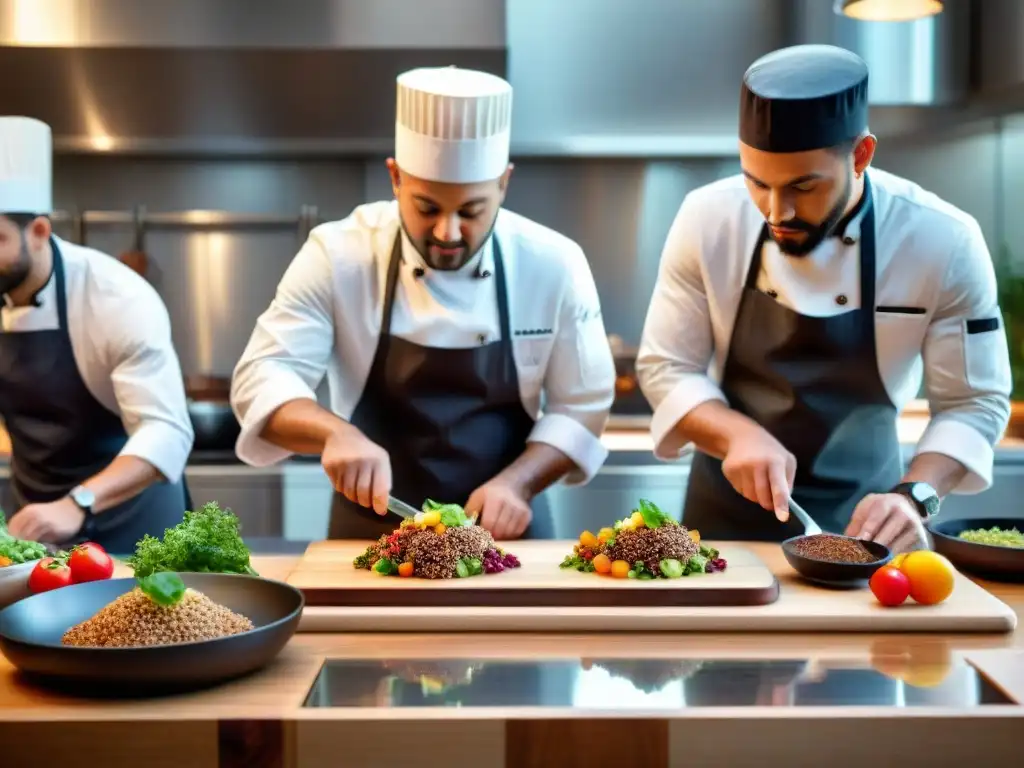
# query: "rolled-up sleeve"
{"type": "Point", "coordinates": [677, 342]}
{"type": "Point", "coordinates": [967, 365]}
{"type": "Point", "coordinates": [287, 355]}
{"type": "Point", "coordinates": [579, 384]}
{"type": "Point", "coordinates": [148, 384]}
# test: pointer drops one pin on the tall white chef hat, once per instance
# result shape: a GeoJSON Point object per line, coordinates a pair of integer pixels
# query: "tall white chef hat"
{"type": "Point", "coordinates": [453, 125]}
{"type": "Point", "coordinates": [26, 183]}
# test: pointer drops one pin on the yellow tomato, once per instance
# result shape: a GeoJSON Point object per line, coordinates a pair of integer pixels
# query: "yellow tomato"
{"type": "Point", "coordinates": [605, 533]}
{"type": "Point", "coordinates": [930, 574]}
{"type": "Point", "coordinates": [432, 518]}
{"type": "Point", "coordinates": [695, 535]}
{"type": "Point", "coordinates": [638, 519]}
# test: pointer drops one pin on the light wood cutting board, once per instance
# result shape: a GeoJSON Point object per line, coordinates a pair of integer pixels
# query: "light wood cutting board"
{"type": "Point", "coordinates": [326, 576]}
{"type": "Point", "coordinates": [800, 607]}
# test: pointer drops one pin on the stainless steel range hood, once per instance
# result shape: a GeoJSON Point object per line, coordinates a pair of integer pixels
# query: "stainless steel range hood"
{"type": "Point", "coordinates": [231, 76]}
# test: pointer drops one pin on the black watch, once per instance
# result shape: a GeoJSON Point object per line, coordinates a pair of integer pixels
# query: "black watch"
{"type": "Point", "coordinates": [924, 498]}
{"type": "Point", "coordinates": [84, 499]}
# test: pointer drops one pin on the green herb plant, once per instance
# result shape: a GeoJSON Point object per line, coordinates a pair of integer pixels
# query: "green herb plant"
{"type": "Point", "coordinates": [206, 541]}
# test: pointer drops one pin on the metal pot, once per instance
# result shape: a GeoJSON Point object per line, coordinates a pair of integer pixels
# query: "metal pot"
{"type": "Point", "coordinates": [215, 425]}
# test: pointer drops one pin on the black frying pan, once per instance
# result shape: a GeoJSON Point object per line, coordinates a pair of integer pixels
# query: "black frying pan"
{"type": "Point", "coordinates": [31, 631]}
{"type": "Point", "coordinates": [984, 560]}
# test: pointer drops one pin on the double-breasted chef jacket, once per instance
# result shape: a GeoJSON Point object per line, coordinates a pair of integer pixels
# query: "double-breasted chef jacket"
{"type": "Point", "coordinates": [91, 373]}
{"type": "Point", "coordinates": [326, 319]}
{"type": "Point", "coordinates": [936, 312]}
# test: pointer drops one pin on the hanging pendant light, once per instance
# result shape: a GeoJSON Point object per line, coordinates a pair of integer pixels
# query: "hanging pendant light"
{"type": "Point", "coordinates": [888, 10]}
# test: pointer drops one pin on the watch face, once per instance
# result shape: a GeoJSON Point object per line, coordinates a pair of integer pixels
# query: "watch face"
{"type": "Point", "coordinates": [83, 497]}
{"type": "Point", "coordinates": [922, 492]}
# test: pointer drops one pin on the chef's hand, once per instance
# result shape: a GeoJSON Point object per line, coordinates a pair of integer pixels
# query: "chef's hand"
{"type": "Point", "coordinates": [889, 519]}
{"type": "Point", "coordinates": [500, 508]}
{"type": "Point", "coordinates": [358, 468]}
{"type": "Point", "coordinates": [762, 470]}
{"type": "Point", "coordinates": [54, 522]}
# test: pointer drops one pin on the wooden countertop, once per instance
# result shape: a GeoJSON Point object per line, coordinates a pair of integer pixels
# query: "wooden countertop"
{"type": "Point", "coordinates": [260, 720]}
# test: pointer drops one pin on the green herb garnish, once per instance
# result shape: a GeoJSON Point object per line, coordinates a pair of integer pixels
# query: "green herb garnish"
{"type": "Point", "coordinates": [18, 551]}
{"type": "Point", "coordinates": [578, 563]}
{"type": "Point", "coordinates": [653, 517]}
{"type": "Point", "coordinates": [206, 541]}
{"type": "Point", "coordinates": [452, 515]}
{"type": "Point", "coordinates": [385, 567]}
{"type": "Point", "coordinates": [163, 587]}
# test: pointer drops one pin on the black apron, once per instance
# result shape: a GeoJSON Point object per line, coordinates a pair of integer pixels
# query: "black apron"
{"type": "Point", "coordinates": [450, 419]}
{"type": "Point", "coordinates": [812, 383]}
{"type": "Point", "coordinates": [61, 435]}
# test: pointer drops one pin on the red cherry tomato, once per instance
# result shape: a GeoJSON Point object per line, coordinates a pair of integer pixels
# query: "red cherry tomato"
{"type": "Point", "coordinates": [90, 562]}
{"type": "Point", "coordinates": [49, 573]}
{"type": "Point", "coordinates": [890, 585]}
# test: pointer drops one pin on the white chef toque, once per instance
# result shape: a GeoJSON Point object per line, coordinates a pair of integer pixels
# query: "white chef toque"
{"type": "Point", "coordinates": [26, 183]}
{"type": "Point", "coordinates": [453, 125]}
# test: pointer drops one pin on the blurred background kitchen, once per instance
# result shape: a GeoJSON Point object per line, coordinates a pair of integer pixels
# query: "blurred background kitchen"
{"type": "Point", "coordinates": [200, 140]}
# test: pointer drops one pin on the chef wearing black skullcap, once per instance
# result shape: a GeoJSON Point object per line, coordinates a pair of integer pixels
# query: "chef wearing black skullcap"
{"type": "Point", "coordinates": [796, 308]}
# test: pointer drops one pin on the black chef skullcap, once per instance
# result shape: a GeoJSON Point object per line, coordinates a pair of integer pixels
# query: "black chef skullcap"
{"type": "Point", "coordinates": [802, 98]}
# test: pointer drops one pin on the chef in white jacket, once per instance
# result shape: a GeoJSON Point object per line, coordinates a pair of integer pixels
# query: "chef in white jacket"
{"type": "Point", "coordinates": [91, 390]}
{"type": "Point", "coordinates": [795, 309]}
{"type": "Point", "coordinates": [441, 321]}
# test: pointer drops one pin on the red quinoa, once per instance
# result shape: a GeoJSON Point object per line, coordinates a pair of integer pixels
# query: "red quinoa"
{"type": "Point", "coordinates": [834, 549]}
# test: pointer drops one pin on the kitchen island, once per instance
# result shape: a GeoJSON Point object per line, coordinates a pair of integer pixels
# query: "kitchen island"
{"type": "Point", "coordinates": [920, 706]}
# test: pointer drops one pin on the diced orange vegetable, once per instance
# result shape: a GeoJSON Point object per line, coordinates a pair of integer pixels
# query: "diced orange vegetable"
{"type": "Point", "coordinates": [638, 519]}
{"type": "Point", "coordinates": [587, 539]}
{"type": "Point", "coordinates": [439, 529]}
{"type": "Point", "coordinates": [605, 533]}
{"type": "Point", "coordinates": [602, 563]}
{"type": "Point", "coordinates": [620, 569]}
{"type": "Point", "coordinates": [695, 535]}
{"type": "Point", "coordinates": [405, 569]}
{"type": "Point", "coordinates": [431, 518]}
{"type": "Point", "coordinates": [4, 561]}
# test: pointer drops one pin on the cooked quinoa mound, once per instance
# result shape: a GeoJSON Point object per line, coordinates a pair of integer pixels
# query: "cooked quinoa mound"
{"type": "Point", "coordinates": [134, 620]}
{"type": "Point", "coordinates": [651, 545]}
{"type": "Point", "coordinates": [434, 555]}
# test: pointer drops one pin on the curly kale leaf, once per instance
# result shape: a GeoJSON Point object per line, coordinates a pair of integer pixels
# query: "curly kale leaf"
{"type": "Point", "coordinates": [207, 540]}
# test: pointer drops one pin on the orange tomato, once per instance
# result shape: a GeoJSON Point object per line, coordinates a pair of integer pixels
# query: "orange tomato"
{"type": "Point", "coordinates": [440, 528]}
{"type": "Point", "coordinates": [602, 563]}
{"type": "Point", "coordinates": [930, 574]}
{"type": "Point", "coordinates": [405, 569]}
{"type": "Point", "coordinates": [620, 569]}
{"type": "Point", "coordinates": [589, 540]}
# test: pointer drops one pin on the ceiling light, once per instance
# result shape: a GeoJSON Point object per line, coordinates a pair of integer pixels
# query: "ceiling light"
{"type": "Point", "coordinates": [888, 10]}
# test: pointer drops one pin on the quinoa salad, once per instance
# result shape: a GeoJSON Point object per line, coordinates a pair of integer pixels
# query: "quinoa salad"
{"type": "Point", "coordinates": [646, 545]}
{"type": "Point", "coordinates": [441, 542]}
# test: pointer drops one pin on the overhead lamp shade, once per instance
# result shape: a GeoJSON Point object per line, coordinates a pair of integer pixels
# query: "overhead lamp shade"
{"type": "Point", "coordinates": [888, 10]}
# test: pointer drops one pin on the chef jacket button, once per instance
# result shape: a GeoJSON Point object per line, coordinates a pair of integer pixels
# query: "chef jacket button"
{"type": "Point", "coordinates": [847, 240]}
{"type": "Point", "coordinates": [841, 299]}
{"type": "Point", "coordinates": [773, 294]}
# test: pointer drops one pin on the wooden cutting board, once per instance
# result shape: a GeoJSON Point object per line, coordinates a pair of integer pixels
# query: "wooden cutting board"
{"type": "Point", "coordinates": [326, 576]}
{"type": "Point", "coordinates": [800, 606]}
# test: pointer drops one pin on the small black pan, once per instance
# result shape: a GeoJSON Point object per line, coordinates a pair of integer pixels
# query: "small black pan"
{"type": "Point", "coordinates": [31, 631]}
{"type": "Point", "coordinates": [846, 575]}
{"type": "Point", "coordinates": [985, 560]}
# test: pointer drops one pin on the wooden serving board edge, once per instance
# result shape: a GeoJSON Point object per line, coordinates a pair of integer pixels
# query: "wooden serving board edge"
{"type": "Point", "coordinates": [527, 597]}
{"type": "Point", "coordinates": [593, 619]}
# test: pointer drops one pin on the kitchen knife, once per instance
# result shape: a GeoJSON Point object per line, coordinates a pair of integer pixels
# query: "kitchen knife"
{"type": "Point", "coordinates": [401, 509]}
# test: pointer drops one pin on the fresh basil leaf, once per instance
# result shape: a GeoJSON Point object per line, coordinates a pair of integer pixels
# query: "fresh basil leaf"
{"type": "Point", "coordinates": [163, 587]}
{"type": "Point", "coordinates": [653, 517]}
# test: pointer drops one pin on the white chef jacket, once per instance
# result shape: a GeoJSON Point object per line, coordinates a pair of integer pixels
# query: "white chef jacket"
{"type": "Point", "coordinates": [327, 312]}
{"type": "Point", "coordinates": [121, 339]}
{"type": "Point", "coordinates": [930, 256]}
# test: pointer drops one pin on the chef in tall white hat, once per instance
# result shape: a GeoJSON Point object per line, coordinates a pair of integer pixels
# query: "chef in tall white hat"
{"type": "Point", "coordinates": [91, 391]}
{"type": "Point", "coordinates": [441, 321]}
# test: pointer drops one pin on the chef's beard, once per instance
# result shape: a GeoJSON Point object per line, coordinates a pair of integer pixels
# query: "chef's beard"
{"type": "Point", "coordinates": [447, 262]}
{"type": "Point", "coordinates": [816, 233]}
{"type": "Point", "coordinates": [17, 273]}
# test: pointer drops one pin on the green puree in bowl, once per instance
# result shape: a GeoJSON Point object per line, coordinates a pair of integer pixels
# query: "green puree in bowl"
{"type": "Point", "coordinates": [995, 537]}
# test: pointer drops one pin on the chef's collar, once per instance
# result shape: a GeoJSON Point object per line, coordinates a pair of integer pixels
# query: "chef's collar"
{"type": "Point", "coordinates": [482, 263]}
{"type": "Point", "coordinates": [848, 228]}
